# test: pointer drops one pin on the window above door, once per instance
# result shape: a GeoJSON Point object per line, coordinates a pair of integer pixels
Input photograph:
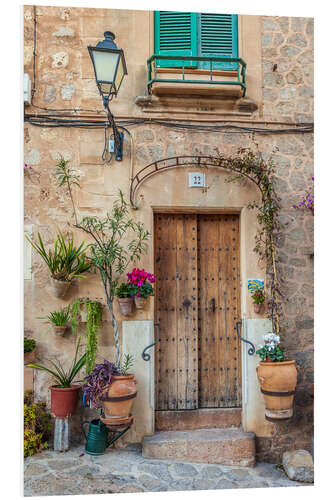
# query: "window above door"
{"type": "Point", "coordinates": [196, 34]}
{"type": "Point", "coordinates": [196, 53]}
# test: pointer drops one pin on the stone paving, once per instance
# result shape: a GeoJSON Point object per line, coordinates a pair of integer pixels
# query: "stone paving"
{"type": "Point", "coordinates": [127, 471]}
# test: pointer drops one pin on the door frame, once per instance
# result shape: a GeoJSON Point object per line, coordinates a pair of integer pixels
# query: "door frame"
{"type": "Point", "coordinates": [177, 210]}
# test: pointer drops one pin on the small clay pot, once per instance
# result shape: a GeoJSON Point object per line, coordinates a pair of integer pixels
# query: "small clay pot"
{"type": "Point", "coordinates": [125, 306]}
{"type": "Point", "coordinates": [64, 400]}
{"type": "Point", "coordinates": [140, 302]}
{"type": "Point", "coordinates": [59, 288]}
{"type": "Point", "coordinates": [29, 357]}
{"type": "Point", "coordinates": [60, 330]}
{"type": "Point", "coordinates": [258, 308]}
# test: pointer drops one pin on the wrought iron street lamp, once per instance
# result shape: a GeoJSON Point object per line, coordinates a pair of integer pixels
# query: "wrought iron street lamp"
{"type": "Point", "coordinates": [109, 68]}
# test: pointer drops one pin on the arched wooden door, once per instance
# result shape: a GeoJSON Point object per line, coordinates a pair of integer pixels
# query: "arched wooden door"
{"type": "Point", "coordinates": [197, 303]}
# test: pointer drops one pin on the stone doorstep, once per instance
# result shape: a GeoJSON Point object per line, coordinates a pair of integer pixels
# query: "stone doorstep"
{"type": "Point", "coordinates": [231, 446]}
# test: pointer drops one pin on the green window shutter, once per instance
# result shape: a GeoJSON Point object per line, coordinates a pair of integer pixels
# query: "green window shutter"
{"type": "Point", "coordinates": [218, 36]}
{"type": "Point", "coordinates": [175, 34]}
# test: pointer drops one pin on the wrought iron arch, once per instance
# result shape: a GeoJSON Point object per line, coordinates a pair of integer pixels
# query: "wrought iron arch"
{"type": "Point", "coordinates": [168, 163]}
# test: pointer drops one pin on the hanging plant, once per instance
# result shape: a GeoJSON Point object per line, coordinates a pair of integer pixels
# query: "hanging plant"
{"type": "Point", "coordinates": [93, 325]}
{"type": "Point", "coordinates": [94, 319]}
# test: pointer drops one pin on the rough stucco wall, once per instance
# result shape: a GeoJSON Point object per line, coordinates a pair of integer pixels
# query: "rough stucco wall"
{"type": "Point", "coordinates": [64, 79]}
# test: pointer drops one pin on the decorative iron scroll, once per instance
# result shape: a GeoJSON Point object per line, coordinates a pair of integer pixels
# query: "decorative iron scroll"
{"type": "Point", "coordinates": [167, 163]}
{"type": "Point", "coordinates": [145, 356]}
{"type": "Point", "coordinates": [252, 349]}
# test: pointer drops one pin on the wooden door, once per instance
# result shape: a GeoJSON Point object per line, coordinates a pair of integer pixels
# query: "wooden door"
{"type": "Point", "coordinates": [197, 305]}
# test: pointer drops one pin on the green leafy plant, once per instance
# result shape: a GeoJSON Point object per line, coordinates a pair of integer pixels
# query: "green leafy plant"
{"type": "Point", "coordinates": [64, 377]}
{"type": "Point", "coordinates": [258, 297]}
{"type": "Point", "coordinates": [271, 350]}
{"type": "Point", "coordinates": [110, 255]}
{"type": "Point", "coordinates": [29, 344]}
{"type": "Point", "coordinates": [37, 425]}
{"type": "Point", "coordinates": [127, 364]}
{"type": "Point", "coordinates": [65, 261]}
{"type": "Point", "coordinates": [125, 291]}
{"type": "Point", "coordinates": [59, 318]}
{"type": "Point", "coordinates": [93, 324]}
{"type": "Point", "coordinates": [67, 177]}
{"type": "Point", "coordinates": [94, 320]}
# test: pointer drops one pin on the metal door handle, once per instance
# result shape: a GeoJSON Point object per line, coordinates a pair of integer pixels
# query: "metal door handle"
{"type": "Point", "coordinates": [213, 305]}
{"type": "Point", "coordinates": [186, 303]}
{"type": "Point", "coordinates": [252, 349]}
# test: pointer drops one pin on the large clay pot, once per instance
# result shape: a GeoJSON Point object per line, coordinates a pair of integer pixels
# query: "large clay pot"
{"type": "Point", "coordinates": [125, 306]}
{"type": "Point", "coordinates": [140, 302]}
{"type": "Point", "coordinates": [64, 400]}
{"type": "Point", "coordinates": [278, 383]}
{"type": "Point", "coordinates": [118, 397]}
{"type": "Point", "coordinates": [59, 288]}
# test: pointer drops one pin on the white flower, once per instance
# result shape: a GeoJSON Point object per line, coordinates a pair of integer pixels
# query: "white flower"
{"type": "Point", "coordinates": [271, 337]}
{"type": "Point", "coordinates": [260, 346]}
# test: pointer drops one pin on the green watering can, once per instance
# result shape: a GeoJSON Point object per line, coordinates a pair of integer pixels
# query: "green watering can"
{"type": "Point", "coordinates": [97, 440]}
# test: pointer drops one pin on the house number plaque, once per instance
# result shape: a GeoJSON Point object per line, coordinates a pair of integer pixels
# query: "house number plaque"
{"type": "Point", "coordinates": [196, 179]}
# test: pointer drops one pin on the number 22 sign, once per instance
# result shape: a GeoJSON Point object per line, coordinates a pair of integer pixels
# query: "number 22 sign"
{"type": "Point", "coordinates": [196, 179]}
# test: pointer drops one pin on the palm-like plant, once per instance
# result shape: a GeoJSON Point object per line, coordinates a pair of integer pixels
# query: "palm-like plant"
{"type": "Point", "coordinates": [59, 318]}
{"type": "Point", "coordinates": [65, 261]}
{"type": "Point", "coordinates": [64, 377]}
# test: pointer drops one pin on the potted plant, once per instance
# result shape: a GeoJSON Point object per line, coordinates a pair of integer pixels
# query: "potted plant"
{"type": "Point", "coordinates": [65, 261]}
{"type": "Point", "coordinates": [141, 282]}
{"type": "Point", "coordinates": [111, 387]}
{"type": "Point", "coordinates": [125, 293]}
{"type": "Point", "coordinates": [64, 394]}
{"type": "Point", "coordinates": [29, 350]}
{"type": "Point", "coordinates": [59, 320]}
{"type": "Point", "coordinates": [258, 300]}
{"type": "Point", "coordinates": [277, 378]}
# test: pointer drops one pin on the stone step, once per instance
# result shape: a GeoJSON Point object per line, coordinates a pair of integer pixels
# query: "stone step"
{"type": "Point", "coordinates": [213, 446]}
{"type": "Point", "coordinates": [203, 418]}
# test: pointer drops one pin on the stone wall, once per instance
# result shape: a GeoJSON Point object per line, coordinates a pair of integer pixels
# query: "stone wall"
{"type": "Point", "coordinates": [64, 80]}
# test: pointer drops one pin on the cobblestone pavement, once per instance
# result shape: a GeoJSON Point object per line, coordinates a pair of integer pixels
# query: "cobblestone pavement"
{"type": "Point", "coordinates": [127, 471]}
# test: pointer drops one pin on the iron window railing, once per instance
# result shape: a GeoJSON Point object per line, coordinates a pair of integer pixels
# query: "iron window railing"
{"type": "Point", "coordinates": [153, 68]}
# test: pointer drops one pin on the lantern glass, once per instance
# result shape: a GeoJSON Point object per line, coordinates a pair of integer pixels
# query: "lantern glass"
{"type": "Point", "coordinates": [120, 74]}
{"type": "Point", "coordinates": [105, 63]}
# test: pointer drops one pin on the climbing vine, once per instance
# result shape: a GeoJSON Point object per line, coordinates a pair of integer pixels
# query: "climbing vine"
{"type": "Point", "coordinates": [246, 164]}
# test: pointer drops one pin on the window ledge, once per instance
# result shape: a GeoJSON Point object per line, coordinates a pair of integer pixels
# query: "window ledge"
{"type": "Point", "coordinates": [196, 89]}
{"type": "Point", "coordinates": [196, 105]}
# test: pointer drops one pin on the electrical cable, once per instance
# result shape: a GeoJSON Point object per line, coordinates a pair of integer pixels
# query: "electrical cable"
{"type": "Point", "coordinates": [48, 121]}
{"type": "Point", "coordinates": [38, 121]}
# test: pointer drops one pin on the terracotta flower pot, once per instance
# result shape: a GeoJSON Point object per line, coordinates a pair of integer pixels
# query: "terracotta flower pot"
{"type": "Point", "coordinates": [140, 302]}
{"type": "Point", "coordinates": [59, 330]}
{"type": "Point", "coordinates": [29, 357]}
{"type": "Point", "coordinates": [59, 288]}
{"type": "Point", "coordinates": [258, 308]}
{"type": "Point", "coordinates": [64, 400]}
{"type": "Point", "coordinates": [278, 383]}
{"type": "Point", "coordinates": [119, 396]}
{"type": "Point", "coordinates": [125, 306]}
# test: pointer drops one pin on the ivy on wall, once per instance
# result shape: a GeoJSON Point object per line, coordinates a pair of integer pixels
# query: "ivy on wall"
{"type": "Point", "coordinates": [246, 164]}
